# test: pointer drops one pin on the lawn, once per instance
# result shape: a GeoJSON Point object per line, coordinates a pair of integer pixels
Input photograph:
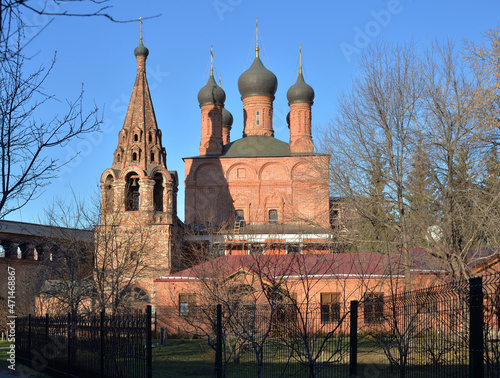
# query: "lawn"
{"type": "Point", "coordinates": [183, 358]}
{"type": "Point", "coordinates": [4, 364]}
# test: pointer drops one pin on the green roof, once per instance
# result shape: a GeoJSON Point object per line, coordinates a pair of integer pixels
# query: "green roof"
{"type": "Point", "coordinates": [255, 146]}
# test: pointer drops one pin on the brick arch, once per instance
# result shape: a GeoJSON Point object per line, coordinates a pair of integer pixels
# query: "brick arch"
{"type": "Point", "coordinates": [304, 171]}
{"type": "Point", "coordinates": [135, 170]}
{"type": "Point", "coordinates": [209, 173]}
{"type": "Point", "coordinates": [274, 171]}
{"type": "Point", "coordinates": [232, 171]}
{"type": "Point", "coordinates": [166, 175]}
{"type": "Point", "coordinates": [106, 173]}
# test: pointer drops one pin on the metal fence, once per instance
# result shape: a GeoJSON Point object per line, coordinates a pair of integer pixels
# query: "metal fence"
{"type": "Point", "coordinates": [451, 330]}
{"type": "Point", "coordinates": [87, 346]}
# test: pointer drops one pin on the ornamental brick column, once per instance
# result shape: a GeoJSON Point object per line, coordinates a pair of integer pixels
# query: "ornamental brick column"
{"type": "Point", "coordinates": [258, 115]}
{"type": "Point", "coordinates": [211, 129]}
{"type": "Point", "coordinates": [146, 194]}
{"type": "Point", "coordinates": [300, 128]}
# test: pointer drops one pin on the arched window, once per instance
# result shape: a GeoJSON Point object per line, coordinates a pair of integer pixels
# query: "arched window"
{"type": "Point", "coordinates": [257, 118]}
{"type": "Point", "coordinates": [150, 137]}
{"type": "Point", "coordinates": [134, 294]}
{"type": "Point", "coordinates": [134, 156]}
{"type": "Point", "coordinates": [109, 197]}
{"type": "Point", "coordinates": [132, 195]}
{"type": "Point", "coordinates": [273, 216]}
{"type": "Point", "coordinates": [152, 156]}
{"type": "Point", "coordinates": [239, 216]}
{"type": "Point", "coordinates": [136, 137]}
{"type": "Point", "coordinates": [118, 158]}
{"type": "Point", "coordinates": [158, 192]}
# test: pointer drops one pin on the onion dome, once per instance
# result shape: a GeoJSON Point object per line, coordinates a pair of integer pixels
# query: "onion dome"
{"type": "Point", "coordinates": [257, 80]}
{"type": "Point", "coordinates": [300, 91]}
{"type": "Point", "coordinates": [227, 119]}
{"type": "Point", "coordinates": [211, 93]}
{"type": "Point", "coordinates": [288, 119]}
{"type": "Point", "coordinates": [141, 50]}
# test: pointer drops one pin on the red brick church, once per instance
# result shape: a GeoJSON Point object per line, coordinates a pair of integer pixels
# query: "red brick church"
{"type": "Point", "coordinates": [252, 196]}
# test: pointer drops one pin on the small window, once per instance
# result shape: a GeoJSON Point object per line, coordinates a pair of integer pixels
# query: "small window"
{"type": "Point", "coordinates": [374, 308]}
{"type": "Point", "coordinates": [219, 250]}
{"type": "Point", "coordinates": [239, 216]}
{"type": "Point", "coordinates": [187, 304]}
{"type": "Point", "coordinates": [257, 249]}
{"type": "Point", "coordinates": [118, 158]}
{"type": "Point", "coordinates": [293, 249]}
{"type": "Point", "coordinates": [152, 156]}
{"type": "Point", "coordinates": [134, 156]}
{"type": "Point", "coordinates": [330, 307]}
{"type": "Point", "coordinates": [136, 137]}
{"type": "Point", "coordinates": [273, 216]}
{"type": "Point", "coordinates": [241, 172]}
{"type": "Point", "coordinates": [150, 138]}
{"type": "Point", "coordinates": [257, 118]}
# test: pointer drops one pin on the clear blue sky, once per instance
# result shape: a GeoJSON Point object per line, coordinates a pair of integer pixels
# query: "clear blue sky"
{"type": "Point", "coordinates": [99, 54]}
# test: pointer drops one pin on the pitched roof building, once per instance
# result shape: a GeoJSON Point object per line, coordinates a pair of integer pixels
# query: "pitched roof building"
{"type": "Point", "coordinates": [248, 196]}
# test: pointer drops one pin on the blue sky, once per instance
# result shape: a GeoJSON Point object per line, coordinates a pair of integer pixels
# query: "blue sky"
{"type": "Point", "coordinates": [99, 54]}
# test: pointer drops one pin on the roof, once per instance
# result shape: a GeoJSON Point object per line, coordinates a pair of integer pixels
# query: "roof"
{"type": "Point", "coordinates": [256, 145]}
{"type": "Point", "coordinates": [43, 231]}
{"type": "Point", "coordinates": [291, 266]}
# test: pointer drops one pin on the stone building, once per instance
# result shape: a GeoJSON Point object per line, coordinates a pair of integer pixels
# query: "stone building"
{"type": "Point", "coordinates": [253, 195]}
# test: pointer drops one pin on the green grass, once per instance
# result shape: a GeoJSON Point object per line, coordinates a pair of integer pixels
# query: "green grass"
{"type": "Point", "coordinates": [183, 359]}
{"type": "Point", "coordinates": [4, 364]}
{"type": "Point", "coordinates": [194, 358]}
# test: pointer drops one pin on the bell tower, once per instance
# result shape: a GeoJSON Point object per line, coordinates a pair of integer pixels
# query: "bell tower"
{"type": "Point", "coordinates": [138, 193]}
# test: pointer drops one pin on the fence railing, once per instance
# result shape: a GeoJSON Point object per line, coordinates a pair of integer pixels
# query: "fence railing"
{"type": "Point", "coordinates": [451, 330]}
{"type": "Point", "coordinates": [87, 346]}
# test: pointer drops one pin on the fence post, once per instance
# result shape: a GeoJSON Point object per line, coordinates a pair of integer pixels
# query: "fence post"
{"type": "Point", "coordinates": [29, 336]}
{"type": "Point", "coordinates": [218, 350]}
{"type": "Point", "coordinates": [46, 328]}
{"type": "Point", "coordinates": [353, 358]}
{"type": "Point", "coordinates": [68, 370]}
{"type": "Point", "coordinates": [149, 350]}
{"type": "Point", "coordinates": [476, 319]}
{"type": "Point", "coordinates": [101, 344]}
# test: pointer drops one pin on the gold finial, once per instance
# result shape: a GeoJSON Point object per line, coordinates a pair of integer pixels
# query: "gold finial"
{"type": "Point", "coordinates": [140, 21]}
{"type": "Point", "coordinates": [300, 59]}
{"type": "Point", "coordinates": [256, 37]}
{"type": "Point", "coordinates": [211, 60]}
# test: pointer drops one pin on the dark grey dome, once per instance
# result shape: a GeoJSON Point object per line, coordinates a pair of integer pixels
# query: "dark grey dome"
{"type": "Point", "coordinates": [141, 50]}
{"type": "Point", "coordinates": [211, 93]}
{"type": "Point", "coordinates": [300, 91]}
{"type": "Point", "coordinates": [257, 80]}
{"type": "Point", "coordinates": [288, 119]}
{"type": "Point", "coordinates": [227, 119]}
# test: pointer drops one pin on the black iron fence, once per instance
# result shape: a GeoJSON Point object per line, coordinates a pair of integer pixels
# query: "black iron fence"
{"type": "Point", "coordinates": [87, 346]}
{"type": "Point", "coordinates": [451, 330]}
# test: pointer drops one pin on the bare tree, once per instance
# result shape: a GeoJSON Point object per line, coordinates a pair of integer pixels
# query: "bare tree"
{"type": "Point", "coordinates": [374, 126]}
{"type": "Point", "coordinates": [26, 141]}
{"type": "Point", "coordinates": [66, 262]}
{"type": "Point", "coordinates": [457, 134]}
{"type": "Point", "coordinates": [409, 153]}
{"type": "Point", "coordinates": [120, 259]}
